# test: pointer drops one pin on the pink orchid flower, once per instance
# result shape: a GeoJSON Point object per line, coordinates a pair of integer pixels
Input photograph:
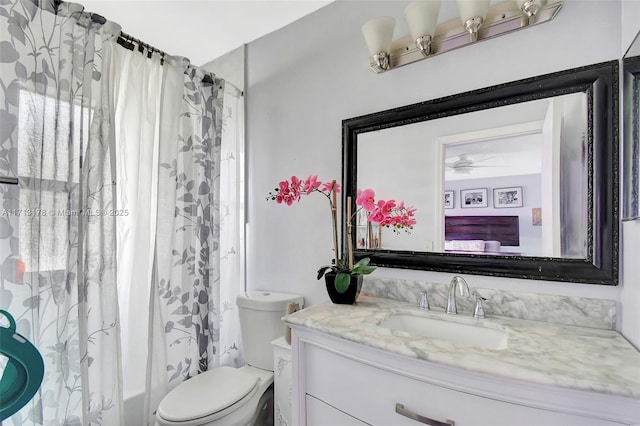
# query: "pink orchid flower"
{"type": "Point", "coordinates": [296, 183]}
{"type": "Point", "coordinates": [311, 184]}
{"type": "Point", "coordinates": [288, 192]}
{"type": "Point", "coordinates": [389, 213]}
{"type": "Point", "coordinates": [326, 187]}
{"type": "Point", "coordinates": [283, 191]}
{"type": "Point", "coordinates": [386, 206]}
{"type": "Point", "coordinates": [366, 199]}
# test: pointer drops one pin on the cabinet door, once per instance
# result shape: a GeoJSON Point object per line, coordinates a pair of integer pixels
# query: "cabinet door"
{"type": "Point", "coordinates": [322, 414]}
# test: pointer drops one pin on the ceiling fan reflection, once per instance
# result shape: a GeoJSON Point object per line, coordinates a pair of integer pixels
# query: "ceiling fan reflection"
{"type": "Point", "coordinates": [465, 165]}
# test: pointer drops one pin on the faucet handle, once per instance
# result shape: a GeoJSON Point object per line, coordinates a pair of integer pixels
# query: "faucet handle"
{"type": "Point", "coordinates": [424, 301]}
{"type": "Point", "coordinates": [479, 310]}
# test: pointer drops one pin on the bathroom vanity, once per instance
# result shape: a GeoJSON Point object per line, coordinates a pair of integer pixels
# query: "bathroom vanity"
{"type": "Point", "coordinates": [386, 362]}
{"type": "Point", "coordinates": [282, 382]}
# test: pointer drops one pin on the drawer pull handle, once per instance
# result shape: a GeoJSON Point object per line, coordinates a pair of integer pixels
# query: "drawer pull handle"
{"type": "Point", "coordinates": [400, 409]}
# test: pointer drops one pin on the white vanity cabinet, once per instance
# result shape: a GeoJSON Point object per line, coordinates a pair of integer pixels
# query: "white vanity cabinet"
{"type": "Point", "coordinates": [337, 382]}
{"type": "Point", "coordinates": [320, 413]}
{"type": "Point", "coordinates": [282, 382]}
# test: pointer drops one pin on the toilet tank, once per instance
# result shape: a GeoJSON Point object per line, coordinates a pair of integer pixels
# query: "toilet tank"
{"type": "Point", "coordinates": [261, 315]}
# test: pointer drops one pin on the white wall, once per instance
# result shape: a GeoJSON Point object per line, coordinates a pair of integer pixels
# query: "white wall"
{"type": "Point", "coordinates": [304, 79]}
{"type": "Point", "coordinates": [230, 67]}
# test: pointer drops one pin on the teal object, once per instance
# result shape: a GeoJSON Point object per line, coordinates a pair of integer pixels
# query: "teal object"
{"type": "Point", "coordinates": [23, 373]}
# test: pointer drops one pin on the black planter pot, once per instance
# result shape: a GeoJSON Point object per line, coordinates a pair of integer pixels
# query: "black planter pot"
{"type": "Point", "coordinates": [350, 295]}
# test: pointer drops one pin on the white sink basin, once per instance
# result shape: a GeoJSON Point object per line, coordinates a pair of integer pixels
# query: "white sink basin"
{"type": "Point", "coordinates": [466, 334]}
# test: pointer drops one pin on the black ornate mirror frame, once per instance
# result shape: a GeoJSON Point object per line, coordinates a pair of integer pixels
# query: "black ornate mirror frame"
{"type": "Point", "coordinates": [600, 83]}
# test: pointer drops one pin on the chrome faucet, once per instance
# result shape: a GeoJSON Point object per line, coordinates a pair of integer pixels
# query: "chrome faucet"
{"type": "Point", "coordinates": [463, 289]}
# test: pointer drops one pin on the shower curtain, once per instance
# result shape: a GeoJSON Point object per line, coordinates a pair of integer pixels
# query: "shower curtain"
{"type": "Point", "coordinates": [169, 266]}
{"type": "Point", "coordinates": [119, 160]}
{"type": "Point", "coordinates": [169, 138]}
{"type": "Point", "coordinates": [57, 233]}
{"type": "Point", "coordinates": [185, 312]}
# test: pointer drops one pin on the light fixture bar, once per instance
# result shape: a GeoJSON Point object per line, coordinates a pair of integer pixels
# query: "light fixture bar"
{"type": "Point", "coordinates": [503, 18]}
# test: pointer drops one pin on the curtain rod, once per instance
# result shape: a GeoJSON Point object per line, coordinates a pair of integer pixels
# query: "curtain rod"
{"type": "Point", "coordinates": [126, 41]}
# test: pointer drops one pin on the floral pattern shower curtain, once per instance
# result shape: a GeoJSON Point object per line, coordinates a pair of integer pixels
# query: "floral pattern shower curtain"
{"type": "Point", "coordinates": [186, 308]}
{"type": "Point", "coordinates": [57, 228]}
{"type": "Point", "coordinates": [57, 265]}
{"type": "Point", "coordinates": [175, 109]}
{"type": "Point", "coordinates": [231, 250]}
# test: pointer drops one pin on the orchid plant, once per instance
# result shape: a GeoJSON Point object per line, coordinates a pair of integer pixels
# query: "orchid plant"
{"type": "Point", "coordinates": [389, 213]}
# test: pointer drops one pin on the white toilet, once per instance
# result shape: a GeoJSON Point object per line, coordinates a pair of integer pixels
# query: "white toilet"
{"type": "Point", "coordinates": [234, 396]}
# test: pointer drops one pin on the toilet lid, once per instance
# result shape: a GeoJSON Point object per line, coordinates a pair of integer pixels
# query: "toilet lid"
{"type": "Point", "coordinates": [206, 394]}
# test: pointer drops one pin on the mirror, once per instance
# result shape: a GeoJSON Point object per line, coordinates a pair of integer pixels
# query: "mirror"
{"type": "Point", "coordinates": [485, 162]}
{"type": "Point", "coordinates": [631, 111]}
{"type": "Point", "coordinates": [515, 180]}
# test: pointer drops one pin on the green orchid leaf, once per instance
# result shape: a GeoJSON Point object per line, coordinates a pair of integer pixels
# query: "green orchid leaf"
{"type": "Point", "coordinates": [363, 270]}
{"type": "Point", "coordinates": [342, 282]}
{"type": "Point", "coordinates": [362, 262]}
{"type": "Point", "coordinates": [362, 267]}
{"type": "Point", "coordinates": [322, 270]}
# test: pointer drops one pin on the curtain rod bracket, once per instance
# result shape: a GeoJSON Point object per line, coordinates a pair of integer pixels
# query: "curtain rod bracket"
{"type": "Point", "coordinates": [98, 19]}
{"type": "Point", "coordinates": [130, 40]}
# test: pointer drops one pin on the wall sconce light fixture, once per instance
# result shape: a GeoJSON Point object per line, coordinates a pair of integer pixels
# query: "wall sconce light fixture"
{"type": "Point", "coordinates": [422, 17]}
{"type": "Point", "coordinates": [472, 14]}
{"type": "Point", "coordinates": [477, 22]}
{"type": "Point", "coordinates": [378, 34]}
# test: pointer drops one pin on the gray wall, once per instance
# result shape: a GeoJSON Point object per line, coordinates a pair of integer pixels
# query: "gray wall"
{"type": "Point", "coordinates": [304, 79]}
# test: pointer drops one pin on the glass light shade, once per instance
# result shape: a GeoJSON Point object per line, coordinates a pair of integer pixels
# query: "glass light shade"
{"type": "Point", "coordinates": [378, 34]}
{"type": "Point", "coordinates": [422, 17]}
{"type": "Point", "coordinates": [470, 9]}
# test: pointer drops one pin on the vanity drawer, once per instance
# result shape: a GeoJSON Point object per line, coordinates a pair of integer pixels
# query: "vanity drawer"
{"type": "Point", "coordinates": [370, 394]}
{"type": "Point", "coordinates": [322, 414]}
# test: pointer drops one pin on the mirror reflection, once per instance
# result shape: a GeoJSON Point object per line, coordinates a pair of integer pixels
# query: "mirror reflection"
{"type": "Point", "coordinates": [504, 181]}
{"type": "Point", "coordinates": [631, 167]}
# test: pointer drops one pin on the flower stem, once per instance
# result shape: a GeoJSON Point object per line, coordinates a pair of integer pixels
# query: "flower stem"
{"type": "Point", "coordinates": [334, 217]}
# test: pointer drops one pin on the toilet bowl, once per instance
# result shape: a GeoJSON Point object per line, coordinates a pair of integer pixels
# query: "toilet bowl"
{"type": "Point", "coordinates": [222, 396]}
{"type": "Point", "coordinates": [234, 396]}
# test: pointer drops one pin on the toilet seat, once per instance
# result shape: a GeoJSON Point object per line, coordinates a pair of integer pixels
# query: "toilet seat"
{"type": "Point", "coordinates": [208, 396]}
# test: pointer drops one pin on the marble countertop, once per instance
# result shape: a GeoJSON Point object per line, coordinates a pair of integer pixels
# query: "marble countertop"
{"type": "Point", "coordinates": [567, 356]}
